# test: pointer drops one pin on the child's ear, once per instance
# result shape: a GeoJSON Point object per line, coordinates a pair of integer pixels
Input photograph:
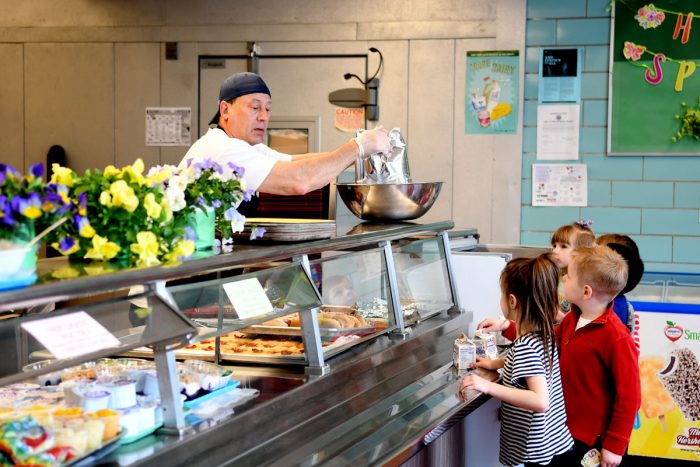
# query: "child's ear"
{"type": "Point", "coordinates": [512, 302]}
{"type": "Point", "coordinates": [587, 292]}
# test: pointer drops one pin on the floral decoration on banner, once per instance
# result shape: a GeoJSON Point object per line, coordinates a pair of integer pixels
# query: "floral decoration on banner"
{"type": "Point", "coordinates": [649, 17]}
{"type": "Point", "coordinates": [633, 51]}
{"type": "Point", "coordinates": [27, 204]}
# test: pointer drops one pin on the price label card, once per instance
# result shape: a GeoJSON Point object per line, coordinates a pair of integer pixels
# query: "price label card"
{"type": "Point", "coordinates": [248, 298]}
{"type": "Point", "coordinates": [71, 335]}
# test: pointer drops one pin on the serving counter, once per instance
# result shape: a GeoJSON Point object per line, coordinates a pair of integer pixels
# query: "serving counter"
{"type": "Point", "coordinates": [379, 399]}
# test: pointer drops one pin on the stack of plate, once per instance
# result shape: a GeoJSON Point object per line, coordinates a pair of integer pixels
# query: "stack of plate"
{"type": "Point", "coordinates": [291, 230]}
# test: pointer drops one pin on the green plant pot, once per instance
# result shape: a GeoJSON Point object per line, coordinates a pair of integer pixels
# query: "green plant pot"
{"type": "Point", "coordinates": [204, 226]}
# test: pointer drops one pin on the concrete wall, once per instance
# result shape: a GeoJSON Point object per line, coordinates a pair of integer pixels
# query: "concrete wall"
{"type": "Point", "coordinates": [79, 73]}
{"type": "Point", "coordinates": [654, 199]}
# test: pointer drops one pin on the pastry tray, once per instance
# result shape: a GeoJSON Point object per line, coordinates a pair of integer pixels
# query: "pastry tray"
{"type": "Point", "coordinates": [324, 332]}
{"type": "Point", "coordinates": [294, 359]}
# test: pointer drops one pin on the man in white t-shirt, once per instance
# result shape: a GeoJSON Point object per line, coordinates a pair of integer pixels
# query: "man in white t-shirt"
{"type": "Point", "coordinates": [238, 129]}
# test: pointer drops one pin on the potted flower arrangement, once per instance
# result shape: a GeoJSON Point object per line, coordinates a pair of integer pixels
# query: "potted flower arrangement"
{"type": "Point", "coordinates": [120, 215]}
{"type": "Point", "coordinates": [204, 196]}
{"type": "Point", "coordinates": [27, 205]}
{"type": "Point", "coordinates": [147, 219]}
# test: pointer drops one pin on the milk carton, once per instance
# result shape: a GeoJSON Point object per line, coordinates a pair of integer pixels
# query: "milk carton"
{"type": "Point", "coordinates": [488, 343]}
{"type": "Point", "coordinates": [463, 353]}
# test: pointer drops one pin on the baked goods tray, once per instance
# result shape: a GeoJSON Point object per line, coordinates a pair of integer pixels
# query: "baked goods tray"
{"type": "Point", "coordinates": [294, 331]}
{"type": "Point", "coordinates": [293, 359]}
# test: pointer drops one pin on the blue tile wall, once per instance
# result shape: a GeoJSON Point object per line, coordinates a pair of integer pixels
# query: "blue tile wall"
{"type": "Point", "coordinates": [555, 9]}
{"type": "Point", "coordinates": [671, 222]}
{"type": "Point", "coordinates": [595, 113]}
{"type": "Point", "coordinates": [656, 248]}
{"type": "Point", "coordinates": [686, 249]}
{"type": "Point", "coordinates": [599, 193]}
{"type": "Point", "coordinates": [655, 199]}
{"type": "Point", "coordinates": [642, 194]}
{"type": "Point", "coordinates": [687, 195]}
{"type": "Point", "coordinates": [596, 58]}
{"type": "Point", "coordinates": [583, 31]}
{"type": "Point", "coordinates": [540, 32]}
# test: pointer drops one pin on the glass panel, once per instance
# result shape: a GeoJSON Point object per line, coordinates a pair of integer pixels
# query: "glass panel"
{"type": "Point", "coordinates": [423, 282]}
{"type": "Point", "coordinates": [287, 287]}
{"type": "Point", "coordinates": [140, 321]}
{"type": "Point", "coordinates": [354, 284]}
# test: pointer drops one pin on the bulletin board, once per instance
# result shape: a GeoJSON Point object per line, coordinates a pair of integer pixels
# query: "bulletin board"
{"type": "Point", "coordinates": [654, 69]}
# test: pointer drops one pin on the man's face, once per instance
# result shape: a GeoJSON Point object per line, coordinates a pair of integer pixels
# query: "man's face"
{"type": "Point", "coordinates": [573, 290]}
{"type": "Point", "coordinates": [247, 117]}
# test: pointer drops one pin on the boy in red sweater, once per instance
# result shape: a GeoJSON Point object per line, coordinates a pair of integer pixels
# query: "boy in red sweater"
{"type": "Point", "coordinates": [597, 357]}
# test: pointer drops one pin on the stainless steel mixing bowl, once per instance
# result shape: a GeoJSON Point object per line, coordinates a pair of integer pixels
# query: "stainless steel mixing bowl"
{"type": "Point", "coordinates": [387, 202]}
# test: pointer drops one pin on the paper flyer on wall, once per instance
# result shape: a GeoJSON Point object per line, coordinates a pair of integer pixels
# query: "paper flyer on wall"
{"type": "Point", "coordinates": [668, 424]}
{"type": "Point", "coordinates": [492, 92]}
{"type": "Point", "coordinates": [168, 126]}
{"type": "Point", "coordinates": [559, 185]}
{"type": "Point", "coordinates": [557, 132]}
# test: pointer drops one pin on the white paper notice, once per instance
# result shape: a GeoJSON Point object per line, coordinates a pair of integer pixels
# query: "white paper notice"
{"type": "Point", "coordinates": [559, 185]}
{"type": "Point", "coordinates": [168, 126]}
{"type": "Point", "coordinates": [557, 132]}
{"type": "Point", "coordinates": [248, 298]}
{"type": "Point", "coordinates": [71, 335]}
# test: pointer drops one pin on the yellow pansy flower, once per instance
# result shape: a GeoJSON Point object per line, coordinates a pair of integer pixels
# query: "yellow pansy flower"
{"type": "Point", "coordinates": [146, 247]}
{"type": "Point", "coordinates": [153, 209]}
{"type": "Point", "coordinates": [123, 196]}
{"type": "Point", "coordinates": [135, 172]}
{"type": "Point", "coordinates": [159, 177]}
{"type": "Point", "coordinates": [182, 249]}
{"type": "Point", "coordinates": [61, 175]}
{"type": "Point", "coordinates": [102, 249]}
{"type": "Point", "coordinates": [111, 171]}
{"type": "Point", "coordinates": [106, 199]}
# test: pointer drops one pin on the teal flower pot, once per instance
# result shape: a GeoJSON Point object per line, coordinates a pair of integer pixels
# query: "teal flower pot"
{"type": "Point", "coordinates": [204, 225]}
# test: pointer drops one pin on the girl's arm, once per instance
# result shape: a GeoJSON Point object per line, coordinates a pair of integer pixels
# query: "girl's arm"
{"type": "Point", "coordinates": [535, 397]}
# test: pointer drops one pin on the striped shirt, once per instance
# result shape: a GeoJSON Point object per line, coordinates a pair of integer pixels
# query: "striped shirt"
{"type": "Point", "coordinates": [527, 436]}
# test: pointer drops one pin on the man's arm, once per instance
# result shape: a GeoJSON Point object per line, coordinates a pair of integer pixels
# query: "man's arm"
{"type": "Point", "coordinates": [308, 172]}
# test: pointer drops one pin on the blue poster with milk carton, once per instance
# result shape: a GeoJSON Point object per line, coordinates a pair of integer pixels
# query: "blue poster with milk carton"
{"type": "Point", "coordinates": [492, 92]}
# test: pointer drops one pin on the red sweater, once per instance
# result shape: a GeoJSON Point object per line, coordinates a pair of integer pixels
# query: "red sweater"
{"type": "Point", "coordinates": [600, 378]}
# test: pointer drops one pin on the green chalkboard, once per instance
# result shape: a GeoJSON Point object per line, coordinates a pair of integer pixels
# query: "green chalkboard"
{"type": "Point", "coordinates": [641, 118]}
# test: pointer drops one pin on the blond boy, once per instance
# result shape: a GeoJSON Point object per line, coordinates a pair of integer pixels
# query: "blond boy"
{"type": "Point", "coordinates": [598, 359]}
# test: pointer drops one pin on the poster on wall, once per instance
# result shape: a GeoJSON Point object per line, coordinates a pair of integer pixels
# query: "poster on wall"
{"type": "Point", "coordinates": [654, 101]}
{"type": "Point", "coordinates": [168, 126]}
{"type": "Point", "coordinates": [560, 75]}
{"type": "Point", "coordinates": [669, 354]}
{"type": "Point", "coordinates": [559, 185]}
{"type": "Point", "coordinates": [557, 131]}
{"type": "Point", "coordinates": [492, 92]}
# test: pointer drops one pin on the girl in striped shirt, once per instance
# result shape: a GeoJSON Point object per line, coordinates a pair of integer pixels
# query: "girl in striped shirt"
{"type": "Point", "coordinates": [533, 422]}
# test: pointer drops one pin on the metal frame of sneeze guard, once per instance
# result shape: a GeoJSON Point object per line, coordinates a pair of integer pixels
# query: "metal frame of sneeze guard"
{"type": "Point", "coordinates": [444, 243]}
{"type": "Point", "coordinates": [394, 302]}
{"type": "Point", "coordinates": [310, 332]}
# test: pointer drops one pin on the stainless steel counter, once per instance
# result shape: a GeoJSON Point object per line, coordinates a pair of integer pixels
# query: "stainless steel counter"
{"type": "Point", "coordinates": [377, 404]}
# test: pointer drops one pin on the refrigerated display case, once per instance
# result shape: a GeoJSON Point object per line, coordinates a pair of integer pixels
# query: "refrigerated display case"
{"type": "Point", "coordinates": [372, 399]}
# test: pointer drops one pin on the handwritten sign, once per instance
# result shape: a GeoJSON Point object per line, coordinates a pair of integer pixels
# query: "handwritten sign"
{"type": "Point", "coordinates": [71, 335]}
{"type": "Point", "coordinates": [248, 298]}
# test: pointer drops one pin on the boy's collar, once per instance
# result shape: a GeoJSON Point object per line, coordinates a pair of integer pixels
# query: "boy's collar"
{"type": "Point", "coordinates": [602, 318]}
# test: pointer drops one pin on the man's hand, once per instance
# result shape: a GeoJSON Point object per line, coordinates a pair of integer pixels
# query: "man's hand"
{"type": "Point", "coordinates": [609, 459]}
{"type": "Point", "coordinates": [373, 141]}
{"type": "Point", "coordinates": [493, 325]}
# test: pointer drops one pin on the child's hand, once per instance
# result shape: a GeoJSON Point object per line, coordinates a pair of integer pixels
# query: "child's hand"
{"type": "Point", "coordinates": [493, 325]}
{"type": "Point", "coordinates": [475, 382]}
{"type": "Point", "coordinates": [609, 459]}
{"type": "Point", "coordinates": [487, 363]}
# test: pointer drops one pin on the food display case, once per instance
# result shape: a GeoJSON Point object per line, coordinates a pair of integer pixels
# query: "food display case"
{"type": "Point", "coordinates": [372, 314]}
